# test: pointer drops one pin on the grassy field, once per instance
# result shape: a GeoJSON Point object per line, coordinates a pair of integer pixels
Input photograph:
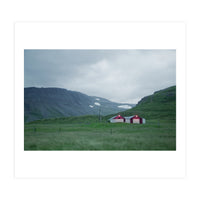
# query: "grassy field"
{"type": "Point", "coordinates": [88, 133]}
{"type": "Point", "coordinates": [67, 134]}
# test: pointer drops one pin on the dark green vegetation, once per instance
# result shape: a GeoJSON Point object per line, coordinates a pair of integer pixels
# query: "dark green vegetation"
{"type": "Point", "coordinates": [161, 106]}
{"type": "Point", "coordinates": [42, 103]}
{"type": "Point", "coordinates": [100, 136]}
{"type": "Point", "coordinates": [88, 133]}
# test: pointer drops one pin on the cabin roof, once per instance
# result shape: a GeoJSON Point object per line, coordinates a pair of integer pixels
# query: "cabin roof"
{"type": "Point", "coordinates": [133, 116]}
{"type": "Point", "coordinates": [117, 117]}
{"type": "Point", "coordinates": [128, 117]}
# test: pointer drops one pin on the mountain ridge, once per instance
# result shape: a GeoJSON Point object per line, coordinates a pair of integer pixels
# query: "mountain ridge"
{"type": "Point", "coordinates": [160, 105]}
{"type": "Point", "coordinates": [53, 102]}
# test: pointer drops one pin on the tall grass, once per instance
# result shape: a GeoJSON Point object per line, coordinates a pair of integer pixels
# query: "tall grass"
{"type": "Point", "coordinates": [100, 136]}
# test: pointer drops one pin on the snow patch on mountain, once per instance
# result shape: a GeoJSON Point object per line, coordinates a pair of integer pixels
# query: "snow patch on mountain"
{"type": "Point", "coordinates": [97, 104]}
{"type": "Point", "coordinates": [124, 106]}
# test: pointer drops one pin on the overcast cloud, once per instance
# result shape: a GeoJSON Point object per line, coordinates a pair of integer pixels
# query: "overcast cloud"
{"type": "Point", "coordinates": [119, 75]}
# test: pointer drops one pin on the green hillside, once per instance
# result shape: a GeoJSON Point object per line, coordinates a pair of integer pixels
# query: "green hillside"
{"type": "Point", "coordinates": [46, 103]}
{"type": "Point", "coordinates": [69, 120]}
{"type": "Point", "coordinates": [160, 105]}
{"type": "Point", "coordinates": [93, 133]}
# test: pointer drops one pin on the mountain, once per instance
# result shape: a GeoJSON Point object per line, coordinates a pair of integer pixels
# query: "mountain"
{"type": "Point", "coordinates": [160, 105]}
{"type": "Point", "coordinates": [41, 103]}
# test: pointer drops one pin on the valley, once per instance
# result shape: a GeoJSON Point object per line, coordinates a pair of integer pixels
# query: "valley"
{"type": "Point", "coordinates": [93, 132]}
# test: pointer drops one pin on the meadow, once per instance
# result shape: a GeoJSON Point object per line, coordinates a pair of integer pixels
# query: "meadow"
{"type": "Point", "coordinates": [92, 132]}
{"type": "Point", "coordinates": [70, 134]}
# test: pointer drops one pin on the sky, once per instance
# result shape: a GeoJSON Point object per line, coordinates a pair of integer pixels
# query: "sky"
{"type": "Point", "coordinates": [123, 76]}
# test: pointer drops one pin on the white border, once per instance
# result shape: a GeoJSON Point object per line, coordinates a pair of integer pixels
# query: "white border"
{"type": "Point", "coordinates": [99, 164]}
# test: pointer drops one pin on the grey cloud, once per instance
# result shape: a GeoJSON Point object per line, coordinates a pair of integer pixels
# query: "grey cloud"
{"type": "Point", "coordinates": [119, 75]}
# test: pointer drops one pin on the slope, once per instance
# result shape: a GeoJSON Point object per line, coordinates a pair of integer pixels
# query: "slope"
{"type": "Point", "coordinates": [42, 103]}
{"type": "Point", "coordinates": [160, 105]}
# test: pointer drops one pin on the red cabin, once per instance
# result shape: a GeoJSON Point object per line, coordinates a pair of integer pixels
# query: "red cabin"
{"type": "Point", "coordinates": [117, 118]}
{"type": "Point", "coordinates": [136, 119]}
